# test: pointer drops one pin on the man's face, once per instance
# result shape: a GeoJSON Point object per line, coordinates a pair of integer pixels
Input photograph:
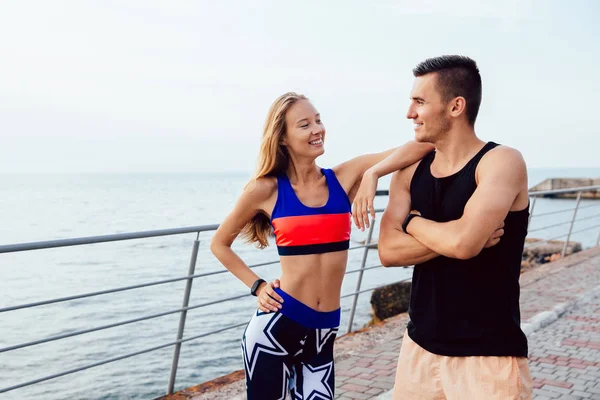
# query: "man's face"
{"type": "Point", "coordinates": [427, 109]}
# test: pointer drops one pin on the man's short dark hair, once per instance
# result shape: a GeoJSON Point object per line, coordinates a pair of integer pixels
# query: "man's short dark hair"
{"type": "Point", "coordinates": [457, 76]}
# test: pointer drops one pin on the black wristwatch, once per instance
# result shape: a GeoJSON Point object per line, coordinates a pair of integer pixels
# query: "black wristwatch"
{"type": "Point", "coordinates": [255, 286]}
{"type": "Point", "coordinates": [407, 220]}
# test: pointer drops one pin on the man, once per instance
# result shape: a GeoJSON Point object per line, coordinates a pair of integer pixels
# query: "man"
{"type": "Point", "coordinates": [464, 339]}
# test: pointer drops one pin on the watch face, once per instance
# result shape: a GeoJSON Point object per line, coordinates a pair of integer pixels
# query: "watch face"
{"type": "Point", "coordinates": [255, 286]}
{"type": "Point", "coordinates": [409, 217]}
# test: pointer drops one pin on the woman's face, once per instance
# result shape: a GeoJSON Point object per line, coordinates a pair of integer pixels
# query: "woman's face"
{"type": "Point", "coordinates": [305, 133]}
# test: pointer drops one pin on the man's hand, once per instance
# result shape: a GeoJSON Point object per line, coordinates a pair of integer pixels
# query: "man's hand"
{"type": "Point", "coordinates": [495, 238]}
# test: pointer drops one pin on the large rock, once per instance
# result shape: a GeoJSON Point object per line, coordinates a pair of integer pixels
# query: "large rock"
{"type": "Point", "coordinates": [390, 300]}
{"type": "Point", "coordinates": [545, 252]}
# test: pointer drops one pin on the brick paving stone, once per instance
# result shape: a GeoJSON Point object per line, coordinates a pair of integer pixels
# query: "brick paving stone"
{"type": "Point", "coordinates": [359, 395]}
{"type": "Point", "coordinates": [383, 385]}
{"type": "Point", "coordinates": [537, 393]}
{"type": "Point", "coordinates": [374, 391]}
{"type": "Point", "coordinates": [352, 387]}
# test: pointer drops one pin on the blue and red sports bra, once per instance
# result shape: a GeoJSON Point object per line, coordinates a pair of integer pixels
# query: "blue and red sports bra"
{"type": "Point", "coordinates": [301, 230]}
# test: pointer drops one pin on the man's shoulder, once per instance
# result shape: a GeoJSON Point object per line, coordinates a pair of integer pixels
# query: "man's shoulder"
{"type": "Point", "coordinates": [502, 158]}
{"type": "Point", "coordinates": [504, 151]}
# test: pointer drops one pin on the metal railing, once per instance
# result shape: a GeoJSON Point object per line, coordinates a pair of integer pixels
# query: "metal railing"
{"type": "Point", "coordinates": [191, 275]}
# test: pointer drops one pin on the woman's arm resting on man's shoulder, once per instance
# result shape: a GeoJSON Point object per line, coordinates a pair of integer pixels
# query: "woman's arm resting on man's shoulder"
{"type": "Point", "coordinates": [367, 169]}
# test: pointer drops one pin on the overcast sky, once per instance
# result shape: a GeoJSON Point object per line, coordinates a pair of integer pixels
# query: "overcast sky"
{"type": "Point", "coordinates": [184, 86]}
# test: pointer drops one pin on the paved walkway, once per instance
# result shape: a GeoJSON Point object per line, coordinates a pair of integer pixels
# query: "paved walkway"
{"type": "Point", "coordinates": [560, 306]}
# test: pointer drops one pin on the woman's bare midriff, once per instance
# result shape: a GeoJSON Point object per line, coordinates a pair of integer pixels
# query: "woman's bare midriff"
{"type": "Point", "coordinates": [315, 280]}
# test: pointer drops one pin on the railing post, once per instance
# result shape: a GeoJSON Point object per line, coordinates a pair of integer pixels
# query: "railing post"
{"type": "Point", "coordinates": [531, 210]}
{"type": "Point", "coordinates": [360, 275]}
{"type": "Point", "coordinates": [182, 316]}
{"type": "Point", "coordinates": [598, 240]}
{"type": "Point", "coordinates": [564, 250]}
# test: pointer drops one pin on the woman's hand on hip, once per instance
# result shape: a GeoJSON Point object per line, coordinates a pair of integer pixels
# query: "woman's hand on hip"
{"type": "Point", "coordinates": [268, 299]}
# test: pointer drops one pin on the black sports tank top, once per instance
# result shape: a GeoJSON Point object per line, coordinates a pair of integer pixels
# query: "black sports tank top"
{"type": "Point", "coordinates": [466, 307]}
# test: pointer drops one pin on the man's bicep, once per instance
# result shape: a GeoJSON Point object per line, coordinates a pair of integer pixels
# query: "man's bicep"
{"type": "Point", "coordinates": [499, 185]}
{"type": "Point", "coordinates": [398, 203]}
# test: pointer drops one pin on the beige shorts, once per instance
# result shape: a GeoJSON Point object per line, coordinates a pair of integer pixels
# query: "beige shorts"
{"type": "Point", "coordinates": [426, 376]}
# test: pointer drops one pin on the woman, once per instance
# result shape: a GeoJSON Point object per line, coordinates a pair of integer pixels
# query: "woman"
{"type": "Point", "coordinates": [288, 343]}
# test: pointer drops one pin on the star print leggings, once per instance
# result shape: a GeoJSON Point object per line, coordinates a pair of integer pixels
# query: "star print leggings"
{"type": "Point", "coordinates": [290, 351]}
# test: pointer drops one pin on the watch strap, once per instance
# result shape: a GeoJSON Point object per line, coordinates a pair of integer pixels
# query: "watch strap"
{"type": "Point", "coordinates": [407, 220]}
{"type": "Point", "coordinates": [255, 286]}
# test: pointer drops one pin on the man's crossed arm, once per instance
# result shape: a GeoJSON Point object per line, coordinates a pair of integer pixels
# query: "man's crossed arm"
{"type": "Point", "coordinates": [501, 176]}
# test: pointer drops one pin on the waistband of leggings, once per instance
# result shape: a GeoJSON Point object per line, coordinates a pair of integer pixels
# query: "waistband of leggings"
{"type": "Point", "coordinates": [306, 316]}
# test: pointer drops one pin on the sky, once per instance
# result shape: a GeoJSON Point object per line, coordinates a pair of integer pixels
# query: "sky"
{"type": "Point", "coordinates": [184, 86]}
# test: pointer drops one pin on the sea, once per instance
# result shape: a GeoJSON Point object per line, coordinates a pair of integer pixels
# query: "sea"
{"type": "Point", "coordinates": [47, 207]}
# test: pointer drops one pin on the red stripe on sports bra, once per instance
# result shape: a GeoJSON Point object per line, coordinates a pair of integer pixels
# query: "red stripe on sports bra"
{"type": "Point", "coordinates": [312, 229]}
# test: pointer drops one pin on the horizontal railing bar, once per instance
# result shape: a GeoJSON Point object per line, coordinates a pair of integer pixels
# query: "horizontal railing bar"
{"type": "Point", "coordinates": [587, 217]}
{"type": "Point", "coordinates": [72, 371]}
{"type": "Point", "coordinates": [364, 269]}
{"type": "Point", "coordinates": [3, 390]}
{"type": "Point", "coordinates": [213, 332]}
{"type": "Point", "coordinates": [210, 303]}
{"type": "Point", "coordinates": [564, 210]}
{"type": "Point", "coordinates": [586, 229]}
{"type": "Point", "coordinates": [359, 292]}
{"type": "Point", "coordinates": [126, 322]}
{"type": "Point", "coordinates": [108, 291]}
{"type": "Point", "coordinates": [259, 265]}
{"type": "Point", "coordinates": [132, 287]}
{"type": "Point", "coordinates": [554, 212]}
{"type": "Point", "coordinates": [548, 226]}
{"type": "Point", "coordinates": [153, 316]}
{"type": "Point", "coordinates": [533, 194]}
{"type": "Point", "coordinates": [584, 218]}
{"type": "Point", "coordinates": [90, 330]}
{"type": "Point", "coordinates": [49, 244]}
{"type": "Point", "coordinates": [370, 289]}
{"type": "Point", "coordinates": [117, 324]}
{"type": "Point", "coordinates": [193, 229]}
{"type": "Point", "coordinates": [362, 246]}
{"type": "Point", "coordinates": [535, 244]}
{"type": "Point", "coordinates": [540, 242]}
{"type": "Point", "coordinates": [559, 191]}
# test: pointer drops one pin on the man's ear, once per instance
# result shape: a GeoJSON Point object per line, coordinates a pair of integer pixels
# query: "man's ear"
{"type": "Point", "coordinates": [459, 105]}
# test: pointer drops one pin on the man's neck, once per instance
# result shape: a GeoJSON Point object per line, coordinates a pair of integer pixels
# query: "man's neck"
{"type": "Point", "coordinates": [455, 150]}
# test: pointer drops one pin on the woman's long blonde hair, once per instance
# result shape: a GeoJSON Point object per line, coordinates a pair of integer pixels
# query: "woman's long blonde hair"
{"type": "Point", "coordinates": [273, 160]}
